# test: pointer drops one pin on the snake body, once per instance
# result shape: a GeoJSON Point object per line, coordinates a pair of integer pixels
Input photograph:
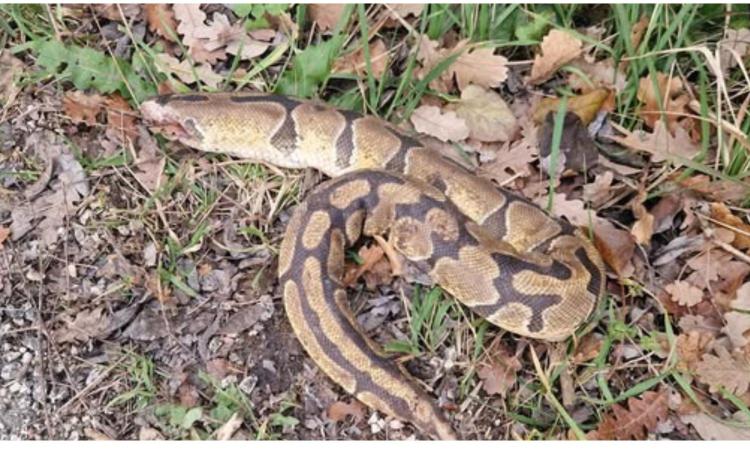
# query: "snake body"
{"type": "Point", "coordinates": [496, 252]}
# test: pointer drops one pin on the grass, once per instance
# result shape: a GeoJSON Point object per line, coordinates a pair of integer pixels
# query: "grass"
{"type": "Point", "coordinates": [181, 215]}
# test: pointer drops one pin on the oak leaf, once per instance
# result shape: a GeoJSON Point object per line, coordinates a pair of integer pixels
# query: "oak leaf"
{"type": "Point", "coordinates": [735, 44]}
{"type": "Point", "coordinates": [637, 420]}
{"type": "Point", "coordinates": [326, 15]}
{"type": "Point", "coordinates": [355, 62]}
{"type": "Point", "coordinates": [730, 370]}
{"type": "Point", "coordinates": [481, 67]}
{"type": "Point", "coordinates": [486, 114]}
{"type": "Point", "coordinates": [661, 144]}
{"type": "Point", "coordinates": [742, 301]}
{"type": "Point", "coordinates": [737, 328]}
{"type": "Point", "coordinates": [339, 411]}
{"type": "Point", "coordinates": [711, 429]}
{"type": "Point", "coordinates": [684, 293]}
{"type": "Point", "coordinates": [160, 19]}
{"type": "Point", "coordinates": [557, 49]}
{"type": "Point", "coordinates": [82, 107]}
{"type": "Point", "coordinates": [446, 126]}
{"type": "Point", "coordinates": [498, 374]}
{"type": "Point", "coordinates": [87, 324]}
{"type": "Point", "coordinates": [185, 72]}
{"type": "Point", "coordinates": [723, 215]}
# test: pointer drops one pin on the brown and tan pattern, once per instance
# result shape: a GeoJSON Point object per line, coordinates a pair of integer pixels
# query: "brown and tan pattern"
{"type": "Point", "coordinates": [496, 252]}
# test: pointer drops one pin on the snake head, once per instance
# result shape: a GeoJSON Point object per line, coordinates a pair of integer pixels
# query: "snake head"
{"type": "Point", "coordinates": [162, 116]}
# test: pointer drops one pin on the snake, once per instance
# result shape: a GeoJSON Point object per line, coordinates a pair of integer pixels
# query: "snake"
{"type": "Point", "coordinates": [494, 251]}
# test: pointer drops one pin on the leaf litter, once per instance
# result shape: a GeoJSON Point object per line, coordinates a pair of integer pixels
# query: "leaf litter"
{"type": "Point", "coordinates": [682, 245]}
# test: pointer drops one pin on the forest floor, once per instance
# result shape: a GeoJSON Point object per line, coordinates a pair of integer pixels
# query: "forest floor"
{"type": "Point", "coordinates": [138, 291]}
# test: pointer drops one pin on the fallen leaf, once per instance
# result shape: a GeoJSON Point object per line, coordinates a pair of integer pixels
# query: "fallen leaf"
{"type": "Point", "coordinates": [191, 26]}
{"type": "Point", "coordinates": [728, 370]}
{"type": "Point", "coordinates": [724, 216]}
{"type": "Point", "coordinates": [160, 19]}
{"type": "Point", "coordinates": [339, 411]}
{"type": "Point", "coordinates": [684, 293]}
{"type": "Point", "coordinates": [185, 72]}
{"type": "Point", "coordinates": [486, 114]}
{"type": "Point", "coordinates": [719, 190]}
{"type": "Point", "coordinates": [10, 69]}
{"type": "Point", "coordinates": [394, 11]}
{"type": "Point", "coordinates": [149, 434]}
{"type": "Point", "coordinates": [616, 247]}
{"type": "Point", "coordinates": [733, 46]}
{"type": "Point", "coordinates": [86, 325]}
{"type": "Point", "coordinates": [711, 429]}
{"type": "Point", "coordinates": [149, 162]}
{"type": "Point", "coordinates": [120, 116]}
{"type": "Point", "coordinates": [689, 323]}
{"type": "Point", "coordinates": [480, 67]}
{"type": "Point", "coordinates": [557, 49]}
{"type": "Point", "coordinates": [588, 348]}
{"type": "Point", "coordinates": [669, 93]}
{"type": "Point", "coordinates": [690, 347]}
{"type": "Point", "coordinates": [226, 431]}
{"type": "Point", "coordinates": [55, 205]}
{"type": "Point", "coordinates": [737, 328]}
{"type": "Point", "coordinates": [374, 262]}
{"type": "Point", "coordinates": [498, 372]}
{"type": "Point", "coordinates": [446, 126]}
{"type": "Point", "coordinates": [638, 30]}
{"type": "Point", "coordinates": [4, 233]}
{"type": "Point", "coordinates": [95, 435]}
{"type": "Point", "coordinates": [355, 62]}
{"type": "Point", "coordinates": [326, 15]}
{"type": "Point", "coordinates": [586, 106]}
{"type": "Point", "coordinates": [599, 191]}
{"type": "Point", "coordinates": [634, 422]}
{"type": "Point", "coordinates": [82, 107]}
{"type": "Point", "coordinates": [643, 228]}
{"type": "Point", "coordinates": [577, 151]}
{"type": "Point", "coordinates": [661, 144]}
{"type": "Point", "coordinates": [707, 265]}
{"type": "Point", "coordinates": [599, 74]}
{"type": "Point", "coordinates": [741, 302]}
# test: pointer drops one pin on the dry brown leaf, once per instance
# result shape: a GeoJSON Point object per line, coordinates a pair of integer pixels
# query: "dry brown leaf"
{"type": "Point", "coordinates": [511, 162]}
{"type": "Point", "coordinates": [670, 93]}
{"type": "Point", "coordinates": [557, 49]}
{"type": "Point", "coordinates": [707, 265]}
{"type": "Point", "coordinates": [690, 347]}
{"type": "Point", "coordinates": [588, 348]}
{"type": "Point", "coordinates": [10, 68]}
{"type": "Point", "coordinates": [742, 301]}
{"type": "Point", "coordinates": [730, 370]}
{"type": "Point", "coordinates": [446, 126]}
{"type": "Point", "coordinates": [720, 190]}
{"type": "Point", "coordinates": [339, 411]}
{"type": "Point", "coordinates": [586, 106]}
{"type": "Point", "coordinates": [737, 328]}
{"type": "Point", "coordinates": [638, 30]}
{"type": "Point", "coordinates": [120, 116]}
{"type": "Point", "coordinates": [599, 191]}
{"type": "Point", "coordinates": [684, 293]}
{"type": "Point", "coordinates": [82, 107]}
{"type": "Point", "coordinates": [711, 429]}
{"type": "Point", "coordinates": [577, 151]}
{"type": "Point", "coordinates": [87, 324]}
{"type": "Point", "coordinates": [486, 114]}
{"type": "Point", "coordinates": [4, 233]}
{"type": "Point", "coordinates": [724, 216]}
{"type": "Point", "coordinates": [149, 163]}
{"type": "Point", "coordinates": [735, 42]}
{"type": "Point", "coordinates": [599, 74]}
{"type": "Point", "coordinates": [375, 267]}
{"type": "Point", "coordinates": [59, 201]}
{"type": "Point", "coordinates": [498, 372]}
{"type": "Point", "coordinates": [160, 19]}
{"type": "Point", "coordinates": [481, 67]}
{"type": "Point", "coordinates": [355, 62]}
{"type": "Point", "coordinates": [326, 15]}
{"type": "Point", "coordinates": [616, 247]}
{"type": "Point", "coordinates": [635, 422]}
{"type": "Point", "coordinates": [661, 144]}
{"type": "Point", "coordinates": [191, 26]}
{"type": "Point", "coordinates": [689, 323]}
{"type": "Point", "coordinates": [226, 431]}
{"type": "Point", "coordinates": [185, 72]}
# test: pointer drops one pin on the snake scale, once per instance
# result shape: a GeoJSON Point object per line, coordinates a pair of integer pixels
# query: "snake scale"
{"type": "Point", "coordinates": [494, 251]}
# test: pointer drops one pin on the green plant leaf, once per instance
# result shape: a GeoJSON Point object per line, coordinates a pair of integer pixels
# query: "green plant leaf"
{"type": "Point", "coordinates": [191, 417]}
{"type": "Point", "coordinates": [310, 68]}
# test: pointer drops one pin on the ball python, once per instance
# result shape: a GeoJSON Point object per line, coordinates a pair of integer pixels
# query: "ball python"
{"type": "Point", "coordinates": [496, 252]}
